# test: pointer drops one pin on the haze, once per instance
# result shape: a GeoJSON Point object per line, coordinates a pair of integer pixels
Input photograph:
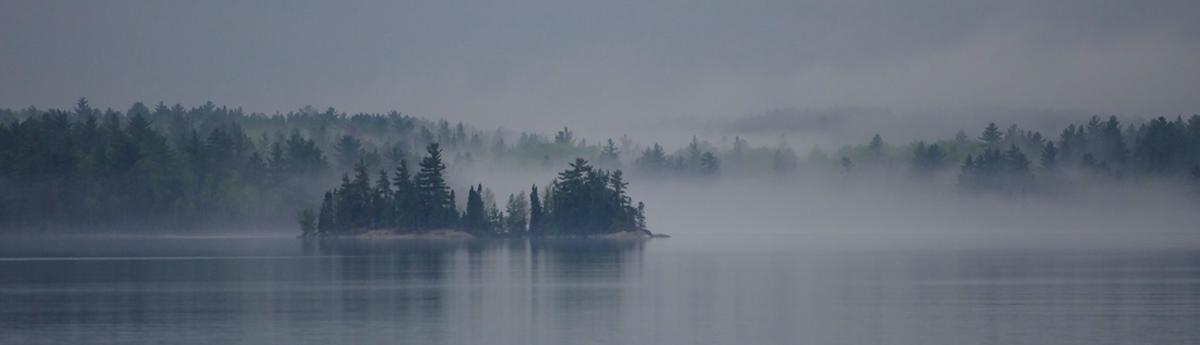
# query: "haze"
{"type": "Point", "coordinates": [599, 66]}
{"type": "Point", "coordinates": [659, 71]}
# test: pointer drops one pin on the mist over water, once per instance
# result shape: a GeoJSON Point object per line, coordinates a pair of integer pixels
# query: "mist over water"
{"type": "Point", "coordinates": [831, 172]}
{"type": "Point", "coordinates": [684, 290]}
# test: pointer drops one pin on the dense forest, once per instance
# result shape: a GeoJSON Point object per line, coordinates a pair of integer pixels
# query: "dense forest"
{"type": "Point", "coordinates": [214, 167]}
{"type": "Point", "coordinates": [208, 167]}
{"type": "Point", "coordinates": [582, 201]}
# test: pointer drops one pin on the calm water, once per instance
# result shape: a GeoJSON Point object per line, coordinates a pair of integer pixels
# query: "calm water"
{"type": "Point", "coordinates": [671, 291]}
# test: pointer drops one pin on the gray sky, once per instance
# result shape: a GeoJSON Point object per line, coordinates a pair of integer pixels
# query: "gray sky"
{"type": "Point", "coordinates": [543, 64]}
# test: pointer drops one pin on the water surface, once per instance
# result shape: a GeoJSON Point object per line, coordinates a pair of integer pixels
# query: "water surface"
{"type": "Point", "coordinates": [663, 291]}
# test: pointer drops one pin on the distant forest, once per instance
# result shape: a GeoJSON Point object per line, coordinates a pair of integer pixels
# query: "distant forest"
{"type": "Point", "coordinates": [169, 168]}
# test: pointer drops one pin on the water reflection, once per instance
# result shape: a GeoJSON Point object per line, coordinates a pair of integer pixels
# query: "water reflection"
{"type": "Point", "coordinates": [206, 291]}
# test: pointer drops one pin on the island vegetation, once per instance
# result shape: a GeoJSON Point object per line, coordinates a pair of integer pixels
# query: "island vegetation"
{"type": "Point", "coordinates": [582, 201]}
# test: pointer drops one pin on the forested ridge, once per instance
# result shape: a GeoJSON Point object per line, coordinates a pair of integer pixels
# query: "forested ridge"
{"type": "Point", "coordinates": [170, 168]}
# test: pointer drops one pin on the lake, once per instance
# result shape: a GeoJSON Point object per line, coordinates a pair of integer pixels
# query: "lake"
{"type": "Point", "coordinates": [683, 290]}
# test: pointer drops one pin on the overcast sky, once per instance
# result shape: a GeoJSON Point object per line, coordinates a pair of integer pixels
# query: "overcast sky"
{"type": "Point", "coordinates": [544, 64]}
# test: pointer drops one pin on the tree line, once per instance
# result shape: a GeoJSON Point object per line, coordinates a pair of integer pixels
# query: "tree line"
{"type": "Point", "coordinates": [169, 167]}
{"type": "Point", "coordinates": [1016, 161]}
{"type": "Point", "coordinates": [582, 201]}
{"type": "Point", "coordinates": [62, 169]}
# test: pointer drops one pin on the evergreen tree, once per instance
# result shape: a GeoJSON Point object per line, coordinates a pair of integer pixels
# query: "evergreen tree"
{"type": "Point", "coordinates": [966, 176]}
{"type": "Point", "coordinates": [436, 207]}
{"type": "Point", "coordinates": [349, 151]}
{"type": "Point", "coordinates": [473, 220]}
{"type": "Point", "coordinates": [875, 150]}
{"type": "Point", "coordinates": [709, 164]}
{"type": "Point", "coordinates": [535, 212]}
{"type": "Point", "coordinates": [927, 159]}
{"type": "Point", "coordinates": [1019, 174]}
{"type": "Point", "coordinates": [517, 209]}
{"type": "Point", "coordinates": [653, 161]}
{"type": "Point", "coordinates": [693, 155]}
{"type": "Point", "coordinates": [326, 223]}
{"type": "Point", "coordinates": [564, 137]}
{"type": "Point", "coordinates": [406, 198]}
{"type": "Point", "coordinates": [382, 202]}
{"type": "Point", "coordinates": [360, 197]}
{"type": "Point", "coordinates": [1049, 157]}
{"type": "Point", "coordinates": [640, 217]}
{"type": "Point", "coordinates": [609, 156]}
{"type": "Point", "coordinates": [992, 136]}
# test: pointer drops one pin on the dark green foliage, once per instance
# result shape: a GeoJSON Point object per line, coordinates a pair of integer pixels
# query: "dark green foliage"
{"type": "Point", "coordinates": [535, 212]}
{"type": "Point", "coordinates": [65, 170]}
{"type": "Point", "coordinates": [421, 204]}
{"type": "Point", "coordinates": [1161, 146]}
{"type": "Point", "coordinates": [383, 205]}
{"type": "Point", "coordinates": [1049, 157]}
{"type": "Point", "coordinates": [992, 136]}
{"type": "Point", "coordinates": [584, 201]}
{"type": "Point", "coordinates": [308, 222]}
{"type": "Point", "coordinates": [518, 214]}
{"type": "Point", "coordinates": [992, 170]}
{"type": "Point", "coordinates": [875, 150]}
{"type": "Point", "coordinates": [435, 207]}
{"type": "Point", "coordinates": [406, 200]}
{"type": "Point", "coordinates": [928, 159]}
{"type": "Point", "coordinates": [349, 150]}
{"type": "Point", "coordinates": [474, 220]}
{"type": "Point", "coordinates": [326, 221]}
{"type": "Point", "coordinates": [654, 161]}
{"type": "Point", "coordinates": [609, 156]}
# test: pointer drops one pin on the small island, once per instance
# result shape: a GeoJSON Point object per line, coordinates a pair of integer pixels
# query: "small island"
{"type": "Point", "coordinates": [582, 202]}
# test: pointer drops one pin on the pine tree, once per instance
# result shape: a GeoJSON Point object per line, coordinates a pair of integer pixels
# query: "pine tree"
{"type": "Point", "coordinates": [564, 137]}
{"type": "Point", "coordinates": [966, 176]}
{"type": "Point", "coordinates": [927, 159]}
{"type": "Point", "coordinates": [405, 199]}
{"type": "Point", "coordinates": [326, 223]}
{"type": "Point", "coordinates": [640, 217]}
{"type": "Point", "coordinates": [473, 220]}
{"type": "Point", "coordinates": [535, 212]}
{"type": "Point", "coordinates": [1049, 157]}
{"type": "Point", "coordinates": [363, 210]}
{"type": "Point", "coordinates": [349, 151]}
{"type": "Point", "coordinates": [434, 195]}
{"type": "Point", "coordinates": [693, 155]}
{"type": "Point", "coordinates": [518, 209]}
{"type": "Point", "coordinates": [992, 136]}
{"type": "Point", "coordinates": [382, 202]}
{"type": "Point", "coordinates": [1017, 167]}
{"type": "Point", "coordinates": [653, 161]}
{"type": "Point", "coordinates": [609, 156]}
{"type": "Point", "coordinates": [709, 164]}
{"type": "Point", "coordinates": [875, 150]}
